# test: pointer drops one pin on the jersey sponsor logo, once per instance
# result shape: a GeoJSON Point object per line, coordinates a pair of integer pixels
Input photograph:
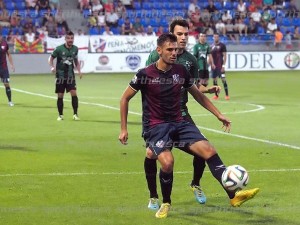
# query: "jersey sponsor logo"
{"type": "Point", "coordinates": [134, 79]}
{"type": "Point", "coordinates": [292, 60]}
{"type": "Point", "coordinates": [133, 61]}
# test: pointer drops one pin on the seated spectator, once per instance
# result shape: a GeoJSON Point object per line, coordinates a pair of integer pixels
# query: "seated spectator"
{"type": "Point", "coordinates": [195, 16]}
{"type": "Point", "coordinates": [272, 26]}
{"type": "Point", "coordinates": [27, 24]}
{"type": "Point", "coordinates": [258, 4]}
{"type": "Point", "coordinates": [265, 19]}
{"type": "Point", "coordinates": [137, 25]}
{"type": "Point", "coordinates": [54, 4]}
{"type": "Point", "coordinates": [252, 7]}
{"type": "Point", "coordinates": [288, 40]}
{"type": "Point", "coordinates": [79, 33]}
{"type": "Point", "coordinates": [192, 30]}
{"type": "Point", "coordinates": [108, 6]}
{"type": "Point", "coordinates": [29, 36]}
{"type": "Point", "coordinates": [60, 20]}
{"type": "Point", "coordinates": [97, 6]}
{"type": "Point", "coordinates": [107, 31]}
{"type": "Point", "coordinates": [149, 31]}
{"type": "Point", "coordinates": [51, 27]}
{"type": "Point", "coordinates": [15, 19]}
{"type": "Point", "coordinates": [211, 8]}
{"type": "Point", "coordinates": [4, 18]}
{"type": "Point", "coordinates": [10, 39]}
{"type": "Point", "coordinates": [229, 30]}
{"type": "Point", "coordinates": [128, 4]}
{"type": "Point", "coordinates": [46, 16]}
{"type": "Point", "coordinates": [30, 4]}
{"type": "Point", "coordinates": [1, 4]}
{"type": "Point", "coordinates": [296, 34]}
{"type": "Point", "coordinates": [126, 27]}
{"type": "Point", "coordinates": [292, 8]}
{"type": "Point", "coordinates": [209, 29]}
{"type": "Point", "coordinates": [42, 4]}
{"type": "Point", "coordinates": [267, 4]}
{"type": "Point", "coordinates": [112, 18]}
{"type": "Point", "coordinates": [61, 31]}
{"type": "Point", "coordinates": [242, 9]}
{"type": "Point", "coordinates": [220, 27]}
{"type": "Point", "coordinates": [256, 16]}
{"type": "Point", "coordinates": [101, 20]}
{"type": "Point", "coordinates": [120, 9]}
{"type": "Point", "coordinates": [160, 31]}
{"type": "Point", "coordinates": [226, 16]}
{"type": "Point", "coordinates": [241, 27]}
{"type": "Point", "coordinates": [252, 27]}
{"type": "Point", "coordinates": [83, 4]}
{"type": "Point", "coordinates": [216, 16]}
{"type": "Point", "coordinates": [192, 7]}
{"type": "Point", "coordinates": [205, 16]}
{"type": "Point", "coordinates": [93, 19]}
{"type": "Point", "coordinates": [42, 34]}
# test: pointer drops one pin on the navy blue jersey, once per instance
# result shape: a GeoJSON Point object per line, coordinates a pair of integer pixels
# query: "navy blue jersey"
{"type": "Point", "coordinates": [217, 54]}
{"type": "Point", "coordinates": [161, 93]}
{"type": "Point", "coordinates": [3, 52]}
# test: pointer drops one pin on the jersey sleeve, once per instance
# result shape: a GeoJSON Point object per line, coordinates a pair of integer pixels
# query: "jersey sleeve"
{"type": "Point", "coordinates": [195, 50]}
{"type": "Point", "coordinates": [55, 53]}
{"type": "Point", "coordinates": [152, 58]}
{"type": "Point", "coordinates": [224, 49]}
{"type": "Point", "coordinates": [137, 80]}
{"type": "Point", "coordinates": [189, 80]}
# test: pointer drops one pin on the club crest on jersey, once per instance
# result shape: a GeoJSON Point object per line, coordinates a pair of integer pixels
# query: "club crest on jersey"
{"type": "Point", "coordinates": [160, 144]}
{"type": "Point", "coordinates": [175, 78]}
{"type": "Point", "coordinates": [188, 65]}
{"type": "Point", "coordinates": [134, 79]}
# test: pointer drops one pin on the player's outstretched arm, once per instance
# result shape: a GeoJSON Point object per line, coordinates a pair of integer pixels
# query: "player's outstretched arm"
{"type": "Point", "coordinates": [207, 104]}
{"type": "Point", "coordinates": [124, 105]}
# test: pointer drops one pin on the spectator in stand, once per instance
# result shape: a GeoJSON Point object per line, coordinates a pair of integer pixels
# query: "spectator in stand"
{"type": "Point", "coordinates": [288, 40]}
{"type": "Point", "coordinates": [1, 4]}
{"type": "Point", "coordinates": [252, 7]}
{"type": "Point", "coordinates": [216, 16]}
{"type": "Point", "coordinates": [149, 31]}
{"type": "Point", "coordinates": [97, 6]}
{"type": "Point", "coordinates": [15, 19]}
{"type": "Point", "coordinates": [137, 25]}
{"type": "Point", "coordinates": [61, 31]}
{"type": "Point", "coordinates": [128, 4]}
{"type": "Point", "coordinates": [4, 18]}
{"type": "Point", "coordinates": [107, 31]}
{"type": "Point", "coordinates": [42, 4]}
{"type": "Point", "coordinates": [230, 31]}
{"type": "Point", "coordinates": [258, 4]}
{"type": "Point", "coordinates": [101, 19]}
{"type": "Point", "coordinates": [126, 27]}
{"type": "Point", "coordinates": [193, 30]}
{"type": "Point", "coordinates": [54, 4]}
{"type": "Point", "coordinates": [27, 24]}
{"type": "Point", "coordinates": [79, 33]}
{"type": "Point", "coordinates": [120, 9]}
{"type": "Point", "coordinates": [209, 28]}
{"type": "Point", "coordinates": [296, 35]}
{"type": "Point", "coordinates": [240, 27]}
{"type": "Point", "coordinates": [267, 4]}
{"type": "Point", "coordinates": [242, 9]}
{"type": "Point", "coordinates": [108, 6]}
{"type": "Point", "coordinates": [112, 18]}
{"type": "Point", "coordinates": [60, 19]}
{"type": "Point", "coordinates": [211, 8]}
{"type": "Point", "coordinates": [83, 4]}
{"type": "Point", "coordinates": [220, 27]}
{"type": "Point", "coordinates": [51, 27]}
{"type": "Point", "coordinates": [93, 19]}
{"type": "Point", "coordinates": [256, 16]}
{"type": "Point", "coordinates": [46, 16]}
{"type": "Point", "coordinates": [10, 39]}
{"type": "Point", "coordinates": [278, 36]}
{"type": "Point", "coordinates": [272, 26]}
{"type": "Point", "coordinates": [192, 7]}
{"type": "Point", "coordinates": [30, 4]}
{"type": "Point", "coordinates": [292, 8]}
{"type": "Point", "coordinates": [226, 16]}
{"type": "Point", "coordinates": [160, 31]}
{"type": "Point", "coordinates": [252, 27]}
{"type": "Point", "coordinates": [205, 16]}
{"type": "Point", "coordinates": [265, 19]}
{"type": "Point", "coordinates": [29, 36]}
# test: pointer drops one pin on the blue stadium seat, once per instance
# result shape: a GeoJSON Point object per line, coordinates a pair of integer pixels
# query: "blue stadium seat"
{"type": "Point", "coordinates": [137, 5]}
{"type": "Point", "coordinates": [228, 5]}
{"type": "Point", "coordinates": [147, 5]}
{"type": "Point", "coordinates": [286, 22]}
{"type": "Point", "coordinates": [5, 31]}
{"type": "Point", "coordinates": [261, 30]}
{"type": "Point", "coordinates": [115, 30]}
{"type": "Point", "coordinates": [218, 5]}
{"type": "Point", "coordinates": [10, 6]}
{"type": "Point", "coordinates": [20, 5]}
{"type": "Point", "coordinates": [296, 21]}
{"type": "Point", "coordinates": [93, 31]}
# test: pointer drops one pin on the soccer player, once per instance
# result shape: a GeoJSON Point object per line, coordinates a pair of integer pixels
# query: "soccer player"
{"type": "Point", "coordinates": [163, 124]}
{"type": "Point", "coordinates": [219, 55]}
{"type": "Point", "coordinates": [202, 53]}
{"type": "Point", "coordinates": [180, 28]}
{"type": "Point", "coordinates": [4, 73]}
{"type": "Point", "coordinates": [67, 56]}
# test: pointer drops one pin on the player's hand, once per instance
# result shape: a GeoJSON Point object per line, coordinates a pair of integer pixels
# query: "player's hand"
{"type": "Point", "coordinates": [223, 70]}
{"type": "Point", "coordinates": [12, 68]}
{"type": "Point", "coordinates": [123, 137]}
{"type": "Point", "coordinates": [213, 66]}
{"type": "Point", "coordinates": [80, 75]}
{"type": "Point", "coordinates": [214, 89]}
{"type": "Point", "coordinates": [53, 70]}
{"type": "Point", "coordinates": [226, 123]}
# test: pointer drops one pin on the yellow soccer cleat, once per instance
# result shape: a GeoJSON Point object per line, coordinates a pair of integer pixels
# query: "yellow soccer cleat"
{"type": "Point", "coordinates": [243, 196]}
{"type": "Point", "coordinates": [163, 211]}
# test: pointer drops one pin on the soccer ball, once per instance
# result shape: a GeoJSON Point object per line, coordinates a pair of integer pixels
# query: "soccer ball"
{"type": "Point", "coordinates": [235, 178]}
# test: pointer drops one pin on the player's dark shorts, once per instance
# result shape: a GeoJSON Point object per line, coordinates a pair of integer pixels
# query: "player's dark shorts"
{"type": "Point", "coordinates": [65, 84]}
{"type": "Point", "coordinates": [4, 75]}
{"type": "Point", "coordinates": [217, 74]}
{"type": "Point", "coordinates": [167, 135]}
{"type": "Point", "coordinates": [203, 74]}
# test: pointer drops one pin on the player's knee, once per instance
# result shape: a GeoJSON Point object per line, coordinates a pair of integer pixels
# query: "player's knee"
{"type": "Point", "coordinates": [167, 166]}
{"type": "Point", "coordinates": [150, 154]}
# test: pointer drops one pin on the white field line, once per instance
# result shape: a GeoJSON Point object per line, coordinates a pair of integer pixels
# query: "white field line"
{"type": "Point", "coordinates": [130, 173]}
{"type": "Point", "coordinates": [202, 128]}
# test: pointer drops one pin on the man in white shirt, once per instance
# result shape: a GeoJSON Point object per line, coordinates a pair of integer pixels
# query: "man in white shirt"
{"type": "Point", "coordinates": [272, 26]}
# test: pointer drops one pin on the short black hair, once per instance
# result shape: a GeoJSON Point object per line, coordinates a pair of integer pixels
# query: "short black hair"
{"type": "Point", "coordinates": [180, 22]}
{"type": "Point", "coordinates": [70, 33]}
{"type": "Point", "coordinates": [166, 37]}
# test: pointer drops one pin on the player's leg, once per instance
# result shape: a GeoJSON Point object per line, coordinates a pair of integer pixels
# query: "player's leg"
{"type": "Point", "coordinates": [203, 75]}
{"type": "Point", "coordinates": [215, 74]}
{"type": "Point", "coordinates": [71, 87]}
{"type": "Point", "coordinates": [60, 90]}
{"type": "Point", "coordinates": [223, 78]}
{"type": "Point", "coordinates": [198, 169]}
{"type": "Point", "coordinates": [5, 79]}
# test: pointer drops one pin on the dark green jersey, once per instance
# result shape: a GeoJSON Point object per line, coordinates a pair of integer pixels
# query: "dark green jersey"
{"type": "Point", "coordinates": [190, 63]}
{"type": "Point", "coordinates": [201, 51]}
{"type": "Point", "coordinates": [65, 60]}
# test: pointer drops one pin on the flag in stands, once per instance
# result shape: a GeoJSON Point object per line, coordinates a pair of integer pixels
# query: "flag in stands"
{"type": "Point", "coordinates": [27, 47]}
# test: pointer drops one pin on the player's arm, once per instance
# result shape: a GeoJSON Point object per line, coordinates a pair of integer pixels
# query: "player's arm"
{"type": "Point", "coordinates": [207, 104]}
{"type": "Point", "coordinates": [224, 58]}
{"type": "Point", "coordinates": [211, 61]}
{"type": "Point", "coordinates": [124, 103]}
{"type": "Point", "coordinates": [77, 64]}
{"type": "Point", "coordinates": [10, 60]}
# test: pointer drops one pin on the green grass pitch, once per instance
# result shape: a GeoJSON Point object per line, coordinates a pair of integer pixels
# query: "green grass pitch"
{"type": "Point", "coordinates": [77, 172]}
